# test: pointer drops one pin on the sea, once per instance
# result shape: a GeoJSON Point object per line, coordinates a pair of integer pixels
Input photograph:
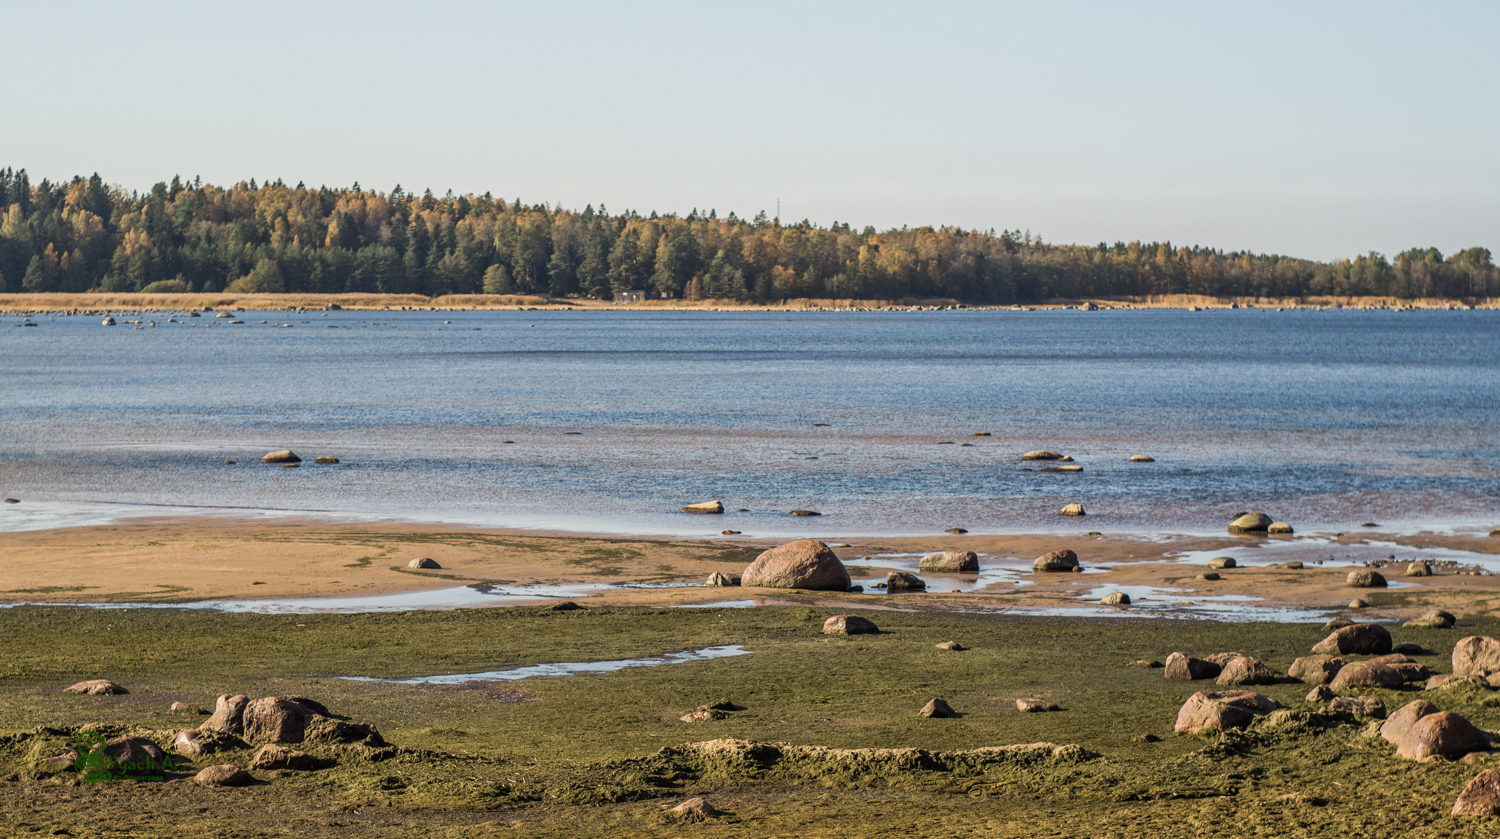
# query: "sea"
{"type": "Point", "coordinates": [884, 422]}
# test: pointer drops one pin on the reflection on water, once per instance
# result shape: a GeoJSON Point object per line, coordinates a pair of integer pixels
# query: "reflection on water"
{"type": "Point", "coordinates": [564, 668]}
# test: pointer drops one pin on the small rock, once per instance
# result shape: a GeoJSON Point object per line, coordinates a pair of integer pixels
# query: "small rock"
{"type": "Point", "coordinates": [902, 581]}
{"type": "Point", "coordinates": [806, 513]}
{"type": "Point", "coordinates": [717, 579]}
{"type": "Point", "coordinates": [1062, 469]}
{"type": "Point", "coordinates": [937, 708]}
{"type": "Point", "coordinates": [729, 533]}
{"type": "Point", "coordinates": [107, 322]}
{"type": "Point", "coordinates": [849, 625]}
{"type": "Point", "coordinates": [1418, 569]}
{"type": "Point", "coordinates": [185, 708]}
{"type": "Point", "coordinates": [1149, 662]}
{"type": "Point", "coordinates": [566, 606]}
{"type": "Point", "coordinates": [1294, 565]}
{"type": "Point", "coordinates": [705, 507]}
{"type": "Point", "coordinates": [1364, 706]}
{"type": "Point", "coordinates": [702, 715]}
{"type": "Point", "coordinates": [1033, 705]}
{"type": "Point", "coordinates": [1321, 693]}
{"type": "Point", "coordinates": [1115, 598]}
{"type": "Point", "coordinates": [1337, 623]}
{"type": "Point", "coordinates": [1358, 603]}
{"type": "Point", "coordinates": [694, 810]}
{"type": "Point", "coordinates": [1481, 797]}
{"type": "Point", "coordinates": [981, 434]}
{"type": "Point", "coordinates": [1221, 562]}
{"type": "Point", "coordinates": [1041, 454]}
{"type": "Point", "coordinates": [283, 456]}
{"type": "Point", "coordinates": [1148, 738]}
{"type": "Point", "coordinates": [1279, 528]}
{"type": "Point", "coordinates": [956, 530]}
{"type": "Point", "coordinates": [423, 563]}
{"type": "Point", "coordinates": [187, 742]}
{"type": "Point", "coordinates": [228, 463]}
{"type": "Point", "coordinates": [1250, 523]}
{"type": "Point", "coordinates": [1365, 578]}
{"type": "Point", "coordinates": [950, 562]}
{"type": "Point", "coordinates": [223, 776]}
{"type": "Point", "coordinates": [228, 716]}
{"type": "Point", "coordinates": [1063, 560]}
{"type": "Point", "coordinates": [96, 687]}
{"type": "Point", "coordinates": [1435, 619]}
{"type": "Point", "coordinates": [1140, 458]}
{"type": "Point", "coordinates": [1072, 510]}
{"type": "Point", "coordinates": [952, 646]}
{"type": "Point", "coordinates": [1209, 576]}
{"type": "Point", "coordinates": [325, 458]}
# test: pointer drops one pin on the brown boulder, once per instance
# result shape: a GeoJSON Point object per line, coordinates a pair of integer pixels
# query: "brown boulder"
{"type": "Point", "coordinates": [1184, 668]}
{"type": "Point", "coordinates": [694, 810]}
{"type": "Point", "coordinates": [1315, 669]}
{"type": "Point", "coordinates": [1443, 734]}
{"type": "Point", "coordinates": [1250, 523]}
{"type": "Point", "coordinates": [223, 776]}
{"type": "Point", "coordinates": [1221, 562]}
{"type": "Point", "coordinates": [423, 563]}
{"type": "Point", "coordinates": [134, 756]}
{"type": "Point", "coordinates": [272, 756]}
{"type": "Point", "coordinates": [1359, 639]}
{"type": "Point", "coordinates": [902, 581]}
{"type": "Point", "coordinates": [1033, 705]}
{"type": "Point", "coordinates": [805, 563]}
{"type": "Point", "coordinates": [951, 562]}
{"type": "Point", "coordinates": [325, 459]}
{"type": "Point", "coordinates": [1321, 693]}
{"type": "Point", "coordinates": [849, 625]}
{"type": "Point", "coordinates": [274, 719]}
{"type": "Point", "coordinates": [186, 742]}
{"type": "Point", "coordinates": [938, 708]}
{"type": "Point", "coordinates": [1041, 454]}
{"type": "Point", "coordinates": [1063, 560]}
{"type": "Point", "coordinates": [1365, 674]}
{"type": "Point", "coordinates": [228, 715]}
{"type": "Point", "coordinates": [283, 456]}
{"type": "Point", "coordinates": [1221, 710]}
{"type": "Point", "coordinates": [1481, 797]}
{"type": "Point", "coordinates": [1475, 654]}
{"type": "Point", "coordinates": [96, 687]}
{"type": "Point", "coordinates": [1279, 528]}
{"type": "Point", "coordinates": [952, 646]}
{"type": "Point", "coordinates": [1365, 578]}
{"type": "Point", "coordinates": [1243, 670]}
{"type": "Point", "coordinates": [1405, 717]}
{"type": "Point", "coordinates": [1365, 706]}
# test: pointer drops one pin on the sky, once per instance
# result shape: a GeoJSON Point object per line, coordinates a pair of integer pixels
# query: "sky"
{"type": "Point", "coordinates": [1316, 129]}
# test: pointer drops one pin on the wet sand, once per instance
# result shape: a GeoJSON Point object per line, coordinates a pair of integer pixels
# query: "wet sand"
{"type": "Point", "coordinates": [185, 560]}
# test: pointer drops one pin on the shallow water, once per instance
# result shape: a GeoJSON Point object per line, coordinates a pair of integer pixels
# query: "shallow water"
{"type": "Point", "coordinates": [1325, 419]}
{"type": "Point", "coordinates": [563, 669]}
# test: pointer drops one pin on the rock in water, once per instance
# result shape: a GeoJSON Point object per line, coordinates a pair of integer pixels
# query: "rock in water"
{"type": "Point", "coordinates": [1115, 598]}
{"type": "Point", "coordinates": [806, 513]}
{"type": "Point", "coordinates": [1443, 734]}
{"type": "Point", "coordinates": [705, 507]}
{"type": "Point", "coordinates": [1279, 528]}
{"type": "Point", "coordinates": [1481, 797]}
{"type": "Point", "coordinates": [1141, 458]}
{"type": "Point", "coordinates": [1359, 639]}
{"type": "Point", "coordinates": [902, 581]}
{"type": "Point", "coordinates": [805, 563]}
{"type": "Point", "coordinates": [938, 709]}
{"type": "Point", "coordinates": [96, 687]}
{"type": "Point", "coordinates": [1365, 578]}
{"type": "Point", "coordinates": [1221, 710]}
{"type": "Point", "coordinates": [283, 456]}
{"type": "Point", "coordinates": [107, 322]}
{"type": "Point", "coordinates": [423, 563]}
{"type": "Point", "coordinates": [1251, 523]}
{"type": "Point", "coordinates": [1366, 674]}
{"type": "Point", "coordinates": [1476, 654]}
{"type": "Point", "coordinates": [1184, 668]}
{"type": "Point", "coordinates": [325, 458]}
{"type": "Point", "coordinates": [1041, 454]}
{"type": "Point", "coordinates": [849, 625]}
{"type": "Point", "coordinates": [1072, 510]}
{"type": "Point", "coordinates": [719, 580]}
{"type": "Point", "coordinates": [951, 562]}
{"type": "Point", "coordinates": [1063, 560]}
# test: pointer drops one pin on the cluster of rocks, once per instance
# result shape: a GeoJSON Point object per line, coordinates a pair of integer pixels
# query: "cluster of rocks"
{"type": "Point", "coordinates": [1253, 523]}
{"type": "Point", "coordinates": [287, 457]}
{"type": "Point", "coordinates": [812, 565]}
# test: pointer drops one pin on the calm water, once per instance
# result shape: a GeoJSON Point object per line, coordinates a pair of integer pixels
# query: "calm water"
{"type": "Point", "coordinates": [610, 421]}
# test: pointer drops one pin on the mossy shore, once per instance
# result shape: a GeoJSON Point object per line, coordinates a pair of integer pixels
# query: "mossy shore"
{"type": "Point", "coordinates": [606, 754]}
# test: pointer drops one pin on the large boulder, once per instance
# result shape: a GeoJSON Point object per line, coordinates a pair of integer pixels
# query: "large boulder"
{"type": "Point", "coordinates": [283, 456]}
{"type": "Point", "coordinates": [1365, 578]}
{"type": "Point", "coordinates": [1481, 797]}
{"type": "Point", "coordinates": [849, 625]}
{"type": "Point", "coordinates": [960, 562]}
{"type": "Point", "coordinates": [1359, 639]}
{"type": "Point", "coordinates": [1476, 654]}
{"type": "Point", "coordinates": [705, 507]}
{"type": "Point", "coordinates": [1366, 674]}
{"type": "Point", "coordinates": [276, 719]}
{"type": "Point", "coordinates": [228, 716]}
{"type": "Point", "coordinates": [1063, 560]}
{"type": "Point", "coordinates": [902, 581]}
{"type": "Point", "coordinates": [1315, 669]}
{"type": "Point", "coordinates": [1250, 523]}
{"type": "Point", "coordinates": [96, 687]}
{"type": "Point", "coordinates": [1394, 728]}
{"type": "Point", "coordinates": [805, 563]}
{"type": "Point", "coordinates": [1184, 668]}
{"type": "Point", "coordinates": [1243, 670]}
{"type": "Point", "coordinates": [1221, 710]}
{"type": "Point", "coordinates": [1443, 734]}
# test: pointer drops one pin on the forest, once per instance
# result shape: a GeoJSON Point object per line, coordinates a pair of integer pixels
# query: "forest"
{"type": "Point", "coordinates": [84, 235]}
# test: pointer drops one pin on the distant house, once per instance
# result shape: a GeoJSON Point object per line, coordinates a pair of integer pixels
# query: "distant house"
{"type": "Point", "coordinates": [634, 295]}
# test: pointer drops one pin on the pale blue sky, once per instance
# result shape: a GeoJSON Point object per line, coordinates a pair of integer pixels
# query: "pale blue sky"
{"type": "Point", "coordinates": [1316, 129]}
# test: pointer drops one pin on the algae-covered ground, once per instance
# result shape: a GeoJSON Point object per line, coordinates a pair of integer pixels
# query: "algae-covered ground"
{"type": "Point", "coordinates": [828, 741]}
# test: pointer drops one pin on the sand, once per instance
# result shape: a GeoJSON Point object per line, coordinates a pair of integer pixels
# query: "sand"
{"type": "Point", "coordinates": [215, 558]}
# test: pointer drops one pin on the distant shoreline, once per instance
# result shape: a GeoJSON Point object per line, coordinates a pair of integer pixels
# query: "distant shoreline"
{"type": "Point", "coordinates": [105, 302]}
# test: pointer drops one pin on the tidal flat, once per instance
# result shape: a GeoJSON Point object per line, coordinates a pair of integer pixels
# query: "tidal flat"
{"type": "Point", "coordinates": [827, 740]}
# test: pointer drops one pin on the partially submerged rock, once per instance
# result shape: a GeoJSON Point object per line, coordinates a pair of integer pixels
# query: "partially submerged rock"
{"type": "Point", "coordinates": [849, 625]}
{"type": "Point", "coordinates": [902, 581]}
{"type": "Point", "coordinates": [1141, 458]}
{"type": "Point", "coordinates": [1250, 523]}
{"type": "Point", "coordinates": [1481, 797]}
{"type": "Point", "coordinates": [1115, 598]}
{"type": "Point", "coordinates": [805, 563]}
{"type": "Point", "coordinates": [96, 687]}
{"type": "Point", "coordinates": [1063, 560]}
{"type": "Point", "coordinates": [705, 507]}
{"type": "Point", "coordinates": [1443, 734]}
{"type": "Point", "coordinates": [938, 709]}
{"type": "Point", "coordinates": [283, 456]}
{"type": "Point", "coordinates": [1221, 710]}
{"type": "Point", "coordinates": [1359, 639]}
{"type": "Point", "coordinates": [325, 459]}
{"type": "Point", "coordinates": [1041, 454]}
{"type": "Point", "coordinates": [1182, 667]}
{"type": "Point", "coordinates": [950, 562]}
{"type": "Point", "coordinates": [1279, 528]}
{"type": "Point", "coordinates": [1365, 578]}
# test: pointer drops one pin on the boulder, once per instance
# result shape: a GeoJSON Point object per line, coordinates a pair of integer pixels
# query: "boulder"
{"type": "Point", "coordinates": [1321, 693]}
{"type": "Point", "coordinates": [1061, 469]}
{"type": "Point", "coordinates": [1394, 728]}
{"type": "Point", "coordinates": [1244, 670]}
{"type": "Point", "coordinates": [1365, 578]}
{"type": "Point", "coordinates": [1449, 681]}
{"type": "Point", "coordinates": [1481, 797]}
{"type": "Point", "coordinates": [1359, 639]}
{"type": "Point", "coordinates": [1221, 710]}
{"type": "Point", "coordinates": [187, 742]}
{"type": "Point", "coordinates": [423, 563]}
{"type": "Point", "coordinates": [199, 741]}
{"type": "Point", "coordinates": [1072, 510]}
{"type": "Point", "coordinates": [325, 459]}
{"type": "Point", "coordinates": [1041, 454]}
{"type": "Point", "coordinates": [1358, 603]}
{"type": "Point", "coordinates": [1365, 674]}
{"type": "Point", "coordinates": [1221, 562]}
{"type": "Point", "coordinates": [1184, 668]}
{"type": "Point", "coordinates": [1115, 598]}
{"type": "Point", "coordinates": [937, 708]}
{"type": "Point", "coordinates": [705, 507]}
{"type": "Point", "coordinates": [228, 715]}
{"type": "Point", "coordinates": [1141, 458]}
{"type": "Point", "coordinates": [107, 322]}
{"type": "Point", "coordinates": [1034, 705]}
{"type": "Point", "coordinates": [951, 562]}
{"type": "Point", "coordinates": [1476, 654]}
{"type": "Point", "coordinates": [805, 563]}
{"type": "Point", "coordinates": [849, 625]}
{"type": "Point", "coordinates": [1337, 623]}
{"type": "Point", "coordinates": [1294, 565]}
{"type": "Point", "coordinates": [1409, 670]}
{"type": "Point", "coordinates": [96, 687]}
{"type": "Point", "coordinates": [958, 531]}
{"type": "Point", "coordinates": [694, 810]}
{"type": "Point", "coordinates": [721, 580]}
{"type": "Point", "coordinates": [223, 776]}
{"type": "Point", "coordinates": [272, 756]}
{"type": "Point", "coordinates": [1364, 706]}
{"type": "Point", "coordinates": [952, 646]}
{"type": "Point", "coordinates": [902, 581]}
{"type": "Point", "coordinates": [1443, 734]}
{"type": "Point", "coordinates": [1209, 576]}
{"type": "Point", "coordinates": [134, 756]}
{"type": "Point", "coordinates": [729, 533]}
{"type": "Point", "coordinates": [1279, 528]}
{"type": "Point", "coordinates": [1418, 569]}
{"type": "Point", "coordinates": [1063, 560]}
{"type": "Point", "coordinates": [275, 719]}
{"type": "Point", "coordinates": [1316, 670]}
{"type": "Point", "coordinates": [283, 456]}
{"type": "Point", "coordinates": [1435, 619]}
{"type": "Point", "coordinates": [1250, 523]}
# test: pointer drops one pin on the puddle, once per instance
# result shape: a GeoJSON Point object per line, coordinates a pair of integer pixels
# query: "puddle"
{"type": "Point", "coordinates": [563, 669]}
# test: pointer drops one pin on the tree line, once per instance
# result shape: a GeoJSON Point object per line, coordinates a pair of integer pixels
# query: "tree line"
{"type": "Point", "coordinates": [83, 235]}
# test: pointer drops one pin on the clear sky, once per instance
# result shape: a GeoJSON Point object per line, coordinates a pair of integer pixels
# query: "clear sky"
{"type": "Point", "coordinates": [1319, 129]}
